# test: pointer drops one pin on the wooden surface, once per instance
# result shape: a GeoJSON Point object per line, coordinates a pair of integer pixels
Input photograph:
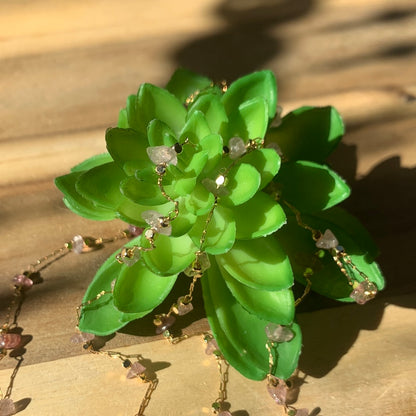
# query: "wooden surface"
{"type": "Point", "coordinates": [65, 71]}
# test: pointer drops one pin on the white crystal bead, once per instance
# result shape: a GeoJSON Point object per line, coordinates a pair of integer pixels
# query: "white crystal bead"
{"type": "Point", "coordinates": [327, 240]}
{"type": "Point", "coordinates": [77, 244]}
{"type": "Point", "coordinates": [7, 407]}
{"type": "Point", "coordinates": [236, 147]}
{"type": "Point", "coordinates": [364, 292]}
{"type": "Point", "coordinates": [213, 187]}
{"type": "Point", "coordinates": [81, 338]}
{"type": "Point", "coordinates": [278, 333]}
{"type": "Point", "coordinates": [158, 222]}
{"type": "Point", "coordinates": [162, 155]}
{"type": "Point", "coordinates": [199, 265]}
{"type": "Point", "coordinates": [129, 256]}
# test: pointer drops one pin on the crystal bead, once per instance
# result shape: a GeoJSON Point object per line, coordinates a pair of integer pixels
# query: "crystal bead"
{"type": "Point", "coordinates": [129, 256]}
{"type": "Point", "coordinates": [22, 281]}
{"type": "Point", "coordinates": [236, 147]}
{"type": "Point", "coordinates": [158, 222]}
{"type": "Point", "coordinates": [9, 341]}
{"type": "Point", "coordinates": [135, 231]}
{"type": "Point", "coordinates": [182, 308]}
{"type": "Point", "coordinates": [162, 155]}
{"type": "Point", "coordinates": [81, 338]}
{"type": "Point", "coordinates": [211, 347]}
{"type": "Point", "coordinates": [199, 265]}
{"type": "Point", "coordinates": [302, 412]}
{"type": "Point", "coordinates": [213, 187]}
{"type": "Point", "coordinates": [7, 407]}
{"type": "Point", "coordinates": [78, 244]}
{"type": "Point", "coordinates": [136, 370]}
{"type": "Point", "coordinates": [327, 240]}
{"type": "Point", "coordinates": [163, 322]}
{"type": "Point", "coordinates": [277, 389]}
{"type": "Point", "coordinates": [363, 292]}
{"type": "Point", "coordinates": [278, 333]}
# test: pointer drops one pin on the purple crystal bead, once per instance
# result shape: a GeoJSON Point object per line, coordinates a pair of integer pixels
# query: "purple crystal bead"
{"type": "Point", "coordinates": [81, 338]}
{"type": "Point", "coordinates": [135, 231]}
{"type": "Point", "coordinates": [163, 323]}
{"type": "Point", "coordinates": [327, 240]}
{"type": "Point", "coordinates": [277, 389]}
{"type": "Point", "coordinates": [7, 407]}
{"type": "Point", "coordinates": [278, 333]}
{"type": "Point", "coordinates": [22, 281]}
{"type": "Point", "coordinates": [211, 347]}
{"type": "Point", "coordinates": [135, 370]}
{"type": "Point", "coordinates": [10, 341]}
{"type": "Point", "coordinates": [364, 292]}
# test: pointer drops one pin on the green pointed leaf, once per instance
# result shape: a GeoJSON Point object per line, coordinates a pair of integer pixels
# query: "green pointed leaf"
{"type": "Point", "coordinates": [141, 192]}
{"type": "Point", "coordinates": [243, 182]}
{"type": "Point", "coordinates": [327, 278]}
{"type": "Point", "coordinates": [200, 201]}
{"type": "Point", "coordinates": [92, 162]}
{"type": "Point", "coordinates": [77, 203]}
{"type": "Point", "coordinates": [311, 187]}
{"type": "Point", "coordinates": [266, 161]}
{"type": "Point", "coordinates": [220, 234]}
{"type": "Point", "coordinates": [258, 84]}
{"type": "Point", "coordinates": [171, 255]}
{"type": "Point", "coordinates": [308, 133]}
{"type": "Point", "coordinates": [101, 317]}
{"type": "Point", "coordinates": [245, 332]}
{"type": "Point", "coordinates": [260, 264]}
{"type": "Point", "coordinates": [157, 103]}
{"type": "Point", "coordinates": [123, 121]}
{"type": "Point", "coordinates": [184, 83]}
{"type": "Point", "coordinates": [213, 146]}
{"type": "Point", "coordinates": [275, 306]}
{"type": "Point", "coordinates": [258, 217]}
{"type": "Point", "coordinates": [128, 149]}
{"type": "Point", "coordinates": [195, 129]}
{"type": "Point", "coordinates": [213, 109]}
{"type": "Point", "coordinates": [249, 121]}
{"type": "Point", "coordinates": [160, 134]}
{"type": "Point", "coordinates": [138, 290]}
{"type": "Point", "coordinates": [102, 185]}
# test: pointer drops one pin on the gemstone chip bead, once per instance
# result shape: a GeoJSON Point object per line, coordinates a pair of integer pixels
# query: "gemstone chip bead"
{"type": "Point", "coordinates": [158, 222]}
{"type": "Point", "coordinates": [9, 341]}
{"type": "Point", "coordinates": [236, 147]}
{"type": "Point", "coordinates": [327, 240]}
{"type": "Point", "coordinates": [364, 292]}
{"type": "Point", "coordinates": [22, 281]}
{"type": "Point", "coordinates": [136, 370]}
{"type": "Point", "coordinates": [162, 155]}
{"type": "Point", "coordinates": [7, 407]}
{"type": "Point", "coordinates": [277, 389]}
{"type": "Point", "coordinates": [278, 333]}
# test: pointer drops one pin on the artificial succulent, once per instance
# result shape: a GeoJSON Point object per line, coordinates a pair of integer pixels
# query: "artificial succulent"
{"type": "Point", "coordinates": [247, 181]}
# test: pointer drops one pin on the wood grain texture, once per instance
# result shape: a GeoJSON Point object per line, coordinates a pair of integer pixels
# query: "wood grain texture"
{"type": "Point", "coordinates": [66, 69]}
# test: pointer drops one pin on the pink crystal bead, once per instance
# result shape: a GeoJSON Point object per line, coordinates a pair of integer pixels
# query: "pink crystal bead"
{"type": "Point", "coordinates": [7, 407]}
{"type": "Point", "coordinates": [22, 281]}
{"type": "Point", "coordinates": [9, 341]}
{"type": "Point", "coordinates": [135, 231]}
{"type": "Point", "coordinates": [277, 389]}
{"type": "Point", "coordinates": [278, 333]}
{"type": "Point", "coordinates": [327, 240]}
{"type": "Point", "coordinates": [163, 323]}
{"type": "Point", "coordinates": [183, 308]}
{"type": "Point", "coordinates": [364, 292]}
{"type": "Point", "coordinates": [135, 370]}
{"type": "Point", "coordinates": [81, 338]}
{"type": "Point", "coordinates": [211, 347]}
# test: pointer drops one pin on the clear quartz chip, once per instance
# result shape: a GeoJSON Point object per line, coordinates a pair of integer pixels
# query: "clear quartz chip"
{"type": "Point", "coordinates": [363, 292]}
{"type": "Point", "coordinates": [327, 240]}
{"type": "Point", "coordinates": [278, 333]}
{"type": "Point", "coordinates": [236, 147]}
{"type": "Point", "coordinates": [81, 338]}
{"type": "Point", "coordinates": [129, 256]}
{"type": "Point", "coordinates": [213, 187]}
{"type": "Point", "coordinates": [158, 222]}
{"type": "Point", "coordinates": [78, 244]}
{"type": "Point", "coordinates": [199, 265]}
{"type": "Point", "coordinates": [162, 155]}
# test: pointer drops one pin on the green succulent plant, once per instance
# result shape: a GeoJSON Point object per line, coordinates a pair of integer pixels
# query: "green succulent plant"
{"type": "Point", "coordinates": [244, 190]}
